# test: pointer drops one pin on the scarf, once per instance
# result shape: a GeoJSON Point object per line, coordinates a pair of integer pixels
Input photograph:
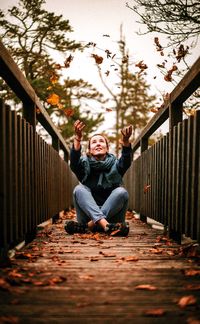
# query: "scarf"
{"type": "Point", "coordinates": [109, 174]}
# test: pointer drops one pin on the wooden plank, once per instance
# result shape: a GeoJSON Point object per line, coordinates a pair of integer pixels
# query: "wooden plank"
{"type": "Point", "coordinates": [102, 291]}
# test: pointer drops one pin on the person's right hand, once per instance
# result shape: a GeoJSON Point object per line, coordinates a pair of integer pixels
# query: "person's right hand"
{"type": "Point", "coordinates": [78, 127]}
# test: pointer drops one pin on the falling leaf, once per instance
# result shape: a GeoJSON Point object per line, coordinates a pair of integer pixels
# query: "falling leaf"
{"type": "Point", "coordinates": [186, 301]}
{"type": "Point", "coordinates": [108, 109]}
{"type": "Point", "coordinates": [146, 287]}
{"type": "Point", "coordinates": [181, 53]}
{"type": "Point", "coordinates": [108, 53]}
{"type": "Point", "coordinates": [53, 99]}
{"type": "Point", "coordinates": [142, 66]}
{"type": "Point", "coordinates": [98, 59]}
{"type": "Point", "coordinates": [68, 61]}
{"type": "Point", "coordinates": [105, 35]}
{"type": "Point", "coordinates": [107, 73]}
{"type": "Point", "coordinates": [155, 312]}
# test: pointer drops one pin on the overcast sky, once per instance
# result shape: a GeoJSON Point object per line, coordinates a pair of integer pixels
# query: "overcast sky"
{"type": "Point", "coordinates": [91, 19]}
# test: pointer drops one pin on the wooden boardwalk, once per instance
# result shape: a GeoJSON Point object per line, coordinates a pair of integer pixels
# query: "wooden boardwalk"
{"type": "Point", "coordinates": [59, 278]}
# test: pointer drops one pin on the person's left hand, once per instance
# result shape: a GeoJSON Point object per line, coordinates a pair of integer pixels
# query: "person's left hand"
{"type": "Point", "coordinates": [126, 133]}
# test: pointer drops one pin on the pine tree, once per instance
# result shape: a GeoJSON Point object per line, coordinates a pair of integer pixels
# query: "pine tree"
{"type": "Point", "coordinates": [32, 35]}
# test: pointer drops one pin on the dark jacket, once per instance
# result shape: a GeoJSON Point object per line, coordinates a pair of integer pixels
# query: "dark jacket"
{"type": "Point", "coordinates": [100, 194]}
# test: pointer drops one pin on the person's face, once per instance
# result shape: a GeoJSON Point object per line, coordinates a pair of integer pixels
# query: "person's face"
{"type": "Point", "coordinates": [98, 146]}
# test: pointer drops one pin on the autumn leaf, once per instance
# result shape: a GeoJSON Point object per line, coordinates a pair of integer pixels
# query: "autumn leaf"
{"type": "Point", "coordinates": [4, 285]}
{"type": "Point", "coordinates": [159, 48]}
{"type": "Point", "coordinates": [57, 66]}
{"type": "Point", "coordinates": [98, 59]}
{"type": "Point", "coordinates": [53, 99]}
{"type": "Point", "coordinates": [146, 188]}
{"type": "Point", "coordinates": [186, 301]}
{"type": "Point", "coordinates": [142, 66]}
{"type": "Point", "coordinates": [146, 287]}
{"type": "Point", "coordinates": [106, 35]}
{"type": "Point", "coordinates": [108, 109]}
{"type": "Point", "coordinates": [107, 73]}
{"type": "Point", "coordinates": [69, 112]}
{"type": "Point", "coordinates": [86, 277]}
{"type": "Point", "coordinates": [193, 287]}
{"type": "Point", "coordinates": [155, 312]}
{"type": "Point", "coordinates": [54, 79]}
{"type": "Point", "coordinates": [107, 255]}
{"type": "Point", "coordinates": [108, 53]}
{"type": "Point", "coordinates": [154, 110]}
{"type": "Point", "coordinates": [191, 272]}
{"type": "Point", "coordinates": [181, 53]}
{"type": "Point", "coordinates": [9, 319]}
{"type": "Point", "coordinates": [68, 61]}
{"type": "Point", "coordinates": [95, 258]}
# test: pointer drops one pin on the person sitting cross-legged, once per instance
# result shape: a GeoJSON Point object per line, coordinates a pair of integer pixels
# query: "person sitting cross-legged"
{"type": "Point", "coordinates": [100, 199]}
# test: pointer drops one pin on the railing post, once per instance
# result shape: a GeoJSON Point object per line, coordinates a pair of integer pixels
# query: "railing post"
{"type": "Point", "coordinates": [143, 147]}
{"type": "Point", "coordinates": [175, 116]}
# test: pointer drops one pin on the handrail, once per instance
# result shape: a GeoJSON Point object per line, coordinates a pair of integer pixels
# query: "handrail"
{"type": "Point", "coordinates": [189, 84]}
{"type": "Point", "coordinates": [13, 76]}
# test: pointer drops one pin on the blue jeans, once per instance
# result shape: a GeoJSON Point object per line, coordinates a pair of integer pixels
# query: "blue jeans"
{"type": "Point", "coordinates": [113, 209]}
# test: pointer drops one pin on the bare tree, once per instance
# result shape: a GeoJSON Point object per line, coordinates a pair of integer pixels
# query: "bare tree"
{"type": "Point", "coordinates": [178, 19]}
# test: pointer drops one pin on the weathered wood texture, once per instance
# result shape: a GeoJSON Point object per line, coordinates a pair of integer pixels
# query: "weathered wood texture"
{"type": "Point", "coordinates": [36, 183]}
{"type": "Point", "coordinates": [163, 181]}
{"type": "Point", "coordinates": [32, 107]}
{"type": "Point", "coordinates": [59, 278]}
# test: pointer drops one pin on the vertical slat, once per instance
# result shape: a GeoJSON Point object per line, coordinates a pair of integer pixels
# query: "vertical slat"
{"type": "Point", "coordinates": [165, 201]}
{"type": "Point", "coordinates": [3, 183]}
{"type": "Point", "coordinates": [14, 187]}
{"type": "Point", "coordinates": [9, 173]}
{"type": "Point", "coordinates": [178, 197]}
{"type": "Point", "coordinates": [24, 211]}
{"type": "Point", "coordinates": [194, 183]}
{"type": "Point", "coordinates": [188, 177]}
{"type": "Point", "coordinates": [183, 163]}
{"type": "Point", "coordinates": [20, 177]}
{"type": "Point", "coordinates": [173, 180]}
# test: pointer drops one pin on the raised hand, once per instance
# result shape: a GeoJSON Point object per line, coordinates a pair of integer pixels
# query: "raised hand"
{"type": "Point", "coordinates": [126, 134]}
{"type": "Point", "coordinates": [78, 127]}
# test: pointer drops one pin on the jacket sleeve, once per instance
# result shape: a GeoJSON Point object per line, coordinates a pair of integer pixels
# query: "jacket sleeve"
{"type": "Point", "coordinates": [75, 163]}
{"type": "Point", "coordinates": [124, 162]}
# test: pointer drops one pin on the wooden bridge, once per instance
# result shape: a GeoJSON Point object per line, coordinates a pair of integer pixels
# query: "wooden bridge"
{"type": "Point", "coordinates": [48, 276]}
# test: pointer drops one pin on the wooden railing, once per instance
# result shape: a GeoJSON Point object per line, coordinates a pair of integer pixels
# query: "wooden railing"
{"type": "Point", "coordinates": [35, 182]}
{"type": "Point", "coordinates": [164, 181]}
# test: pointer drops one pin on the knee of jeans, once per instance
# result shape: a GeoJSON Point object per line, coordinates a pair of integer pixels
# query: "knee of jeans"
{"type": "Point", "coordinates": [123, 193]}
{"type": "Point", "coordinates": [79, 189]}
